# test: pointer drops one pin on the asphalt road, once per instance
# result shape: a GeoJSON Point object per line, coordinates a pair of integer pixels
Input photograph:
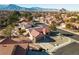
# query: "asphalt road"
{"type": "Point", "coordinates": [68, 34]}
{"type": "Point", "coordinates": [71, 49]}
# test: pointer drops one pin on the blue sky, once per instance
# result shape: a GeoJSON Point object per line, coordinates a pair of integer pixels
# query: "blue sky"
{"type": "Point", "coordinates": [56, 6]}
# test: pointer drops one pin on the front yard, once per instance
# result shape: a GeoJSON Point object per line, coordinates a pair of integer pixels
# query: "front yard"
{"type": "Point", "coordinates": [60, 40]}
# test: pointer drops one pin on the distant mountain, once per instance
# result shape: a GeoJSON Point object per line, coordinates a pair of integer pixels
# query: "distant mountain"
{"type": "Point", "coordinates": [63, 10]}
{"type": "Point", "coordinates": [18, 8]}
{"type": "Point", "coordinates": [35, 8]}
{"type": "Point", "coordinates": [11, 7]}
{"type": "Point", "coordinates": [42, 9]}
{"type": "Point", "coordinates": [2, 7]}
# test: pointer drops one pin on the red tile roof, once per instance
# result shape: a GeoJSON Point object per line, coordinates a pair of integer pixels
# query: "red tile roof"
{"type": "Point", "coordinates": [35, 33]}
{"type": "Point", "coordinates": [10, 41]}
{"type": "Point", "coordinates": [38, 31]}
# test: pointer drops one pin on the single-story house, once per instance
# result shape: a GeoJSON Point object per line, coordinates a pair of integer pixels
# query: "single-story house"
{"type": "Point", "coordinates": [38, 32]}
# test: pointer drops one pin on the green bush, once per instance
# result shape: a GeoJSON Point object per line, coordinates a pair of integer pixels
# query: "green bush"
{"type": "Point", "coordinates": [21, 31]}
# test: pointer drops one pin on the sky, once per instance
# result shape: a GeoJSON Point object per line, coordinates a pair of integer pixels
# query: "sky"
{"type": "Point", "coordinates": [71, 7]}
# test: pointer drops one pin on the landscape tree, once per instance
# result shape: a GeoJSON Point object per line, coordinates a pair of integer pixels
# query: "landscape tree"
{"type": "Point", "coordinates": [7, 31]}
{"type": "Point", "coordinates": [3, 22]}
{"type": "Point", "coordinates": [78, 19]}
{"type": "Point", "coordinates": [13, 18]}
{"type": "Point", "coordinates": [30, 18]}
{"type": "Point", "coordinates": [52, 27]}
{"type": "Point", "coordinates": [28, 15]}
{"type": "Point", "coordinates": [21, 31]}
{"type": "Point", "coordinates": [68, 26]}
{"type": "Point", "coordinates": [66, 20]}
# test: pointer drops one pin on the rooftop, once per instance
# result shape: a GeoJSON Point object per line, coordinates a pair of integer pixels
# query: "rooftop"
{"type": "Point", "coordinates": [6, 49]}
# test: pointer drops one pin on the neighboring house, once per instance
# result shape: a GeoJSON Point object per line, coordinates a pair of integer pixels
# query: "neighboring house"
{"type": "Point", "coordinates": [31, 32]}
{"type": "Point", "coordinates": [75, 25]}
{"type": "Point", "coordinates": [28, 34]}
{"type": "Point", "coordinates": [36, 19]}
{"type": "Point", "coordinates": [41, 19]}
{"type": "Point", "coordinates": [23, 24]}
{"type": "Point", "coordinates": [15, 32]}
{"type": "Point", "coordinates": [64, 16]}
{"type": "Point", "coordinates": [38, 32]}
{"type": "Point", "coordinates": [23, 18]}
{"type": "Point", "coordinates": [63, 25]}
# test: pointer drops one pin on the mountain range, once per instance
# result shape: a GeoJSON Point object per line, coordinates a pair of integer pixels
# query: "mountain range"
{"type": "Point", "coordinates": [19, 8]}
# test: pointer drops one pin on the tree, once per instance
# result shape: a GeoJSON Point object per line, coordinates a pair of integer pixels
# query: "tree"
{"type": "Point", "coordinates": [30, 18]}
{"type": "Point", "coordinates": [13, 18]}
{"type": "Point", "coordinates": [68, 26]}
{"type": "Point", "coordinates": [21, 31]}
{"type": "Point", "coordinates": [67, 20]}
{"type": "Point", "coordinates": [28, 15]}
{"type": "Point", "coordinates": [7, 31]}
{"type": "Point", "coordinates": [52, 27]}
{"type": "Point", "coordinates": [3, 22]}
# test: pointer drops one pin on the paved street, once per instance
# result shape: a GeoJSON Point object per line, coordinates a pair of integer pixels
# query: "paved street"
{"type": "Point", "coordinates": [71, 49]}
{"type": "Point", "coordinates": [73, 36]}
